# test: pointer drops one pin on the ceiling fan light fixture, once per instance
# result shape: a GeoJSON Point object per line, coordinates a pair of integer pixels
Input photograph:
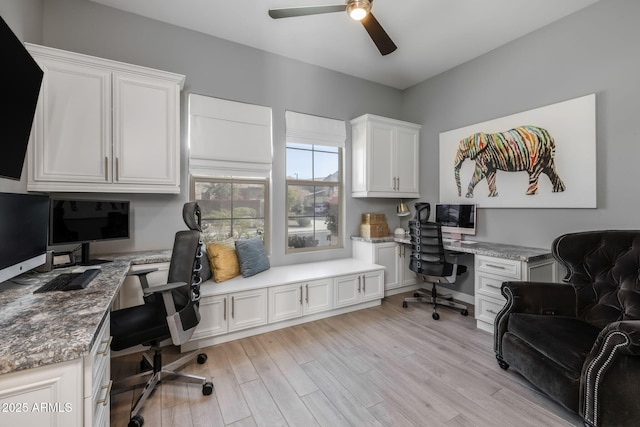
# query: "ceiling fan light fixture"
{"type": "Point", "coordinates": [358, 9]}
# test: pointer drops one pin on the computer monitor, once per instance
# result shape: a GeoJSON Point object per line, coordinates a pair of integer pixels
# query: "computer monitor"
{"type": "Point", "coordinates": [23, 233]}
{"type": "Point", "coordinates": [457, 220]}
{"type": "Point", "coordinates": [86, 221]}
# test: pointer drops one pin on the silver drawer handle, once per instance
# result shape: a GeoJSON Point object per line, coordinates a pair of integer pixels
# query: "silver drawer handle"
{"type": "Point", "coordinates": [103, 402]}
{"type": "Point", "coordinates": [106, 347]}
{"type": "Point", "coordinates": [493, 286]}
{"type": "Point", "coordinates": [499, 267]}
{"type": "Point", "coordinates": [492, 312]}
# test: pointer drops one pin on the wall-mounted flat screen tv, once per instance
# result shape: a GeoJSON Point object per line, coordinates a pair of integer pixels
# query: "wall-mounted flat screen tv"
{"type": "Point", "coordinates": [21, 78]}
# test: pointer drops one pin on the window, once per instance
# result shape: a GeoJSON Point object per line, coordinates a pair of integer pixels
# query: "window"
{"type": "Point", "coordinates": [232, 207]}
{"type": "Point", "coordinates": [314, 181]}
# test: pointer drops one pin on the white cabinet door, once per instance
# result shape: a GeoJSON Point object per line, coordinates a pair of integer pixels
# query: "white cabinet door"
{"type": "Point", "coordinates": [213, 317]}
{"type": "Point", "coordinates": [372, 286]}
{"type": "Point", "coordinates": [382, 157]}
{"type": "Point", "coordinates": [347, 290]}
{"type": "Point", "coordinates": [70, 140]}
{"type": "Point", "coordinates": [407, 276]}
{"type": "Point", "coordinates": [248, 309]}
{"type": "Point", "coordinates": [407, 160]}
{"type": "Point", "coordinates": [285, 302]}
{"type": "Point", "coordinates": [146, 139]}
{"type": "Point", "coordinates": [388, 254]}
{"type": "Point", "coordinates": [318, 296]}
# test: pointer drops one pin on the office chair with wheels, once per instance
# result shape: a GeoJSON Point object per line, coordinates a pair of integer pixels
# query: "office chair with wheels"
{"type": "Point", "coordinates": [429, 262]}
{"type": "Point", "coordinates": [169, 311]}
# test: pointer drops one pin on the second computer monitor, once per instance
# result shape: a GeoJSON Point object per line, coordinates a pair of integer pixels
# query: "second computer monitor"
{"type": "Point", "coordinates": [457, 220]}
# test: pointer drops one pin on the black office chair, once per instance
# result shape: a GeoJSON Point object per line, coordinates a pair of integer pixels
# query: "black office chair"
{"type": "Point", "coordinates": [429, 262]}
{"type": "Point", "coordinates": [169, 311]}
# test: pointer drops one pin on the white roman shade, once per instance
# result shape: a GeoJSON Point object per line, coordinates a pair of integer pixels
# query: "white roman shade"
{"type": "Point", "coordinates": [228, 138]}
{"type": "Point", "coordinates": [308, 129]}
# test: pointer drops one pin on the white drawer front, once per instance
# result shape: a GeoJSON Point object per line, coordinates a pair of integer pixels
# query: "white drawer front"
{"type": "Point", "coordinates": [489, 285]}
{"type": "Point", "coordinates": [488, 308]}
{"type": "Point", "coordinates": [502, 267]}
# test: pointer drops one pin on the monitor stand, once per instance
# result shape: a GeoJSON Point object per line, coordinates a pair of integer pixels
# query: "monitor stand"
{"type": "Point", "coordinates": [86, 259]}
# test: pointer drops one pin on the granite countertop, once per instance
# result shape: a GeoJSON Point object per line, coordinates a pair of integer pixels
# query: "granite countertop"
{"type": "Point", "coordinates": [52, 327]}
{"type": "Point", "coordinates": [498, 250]}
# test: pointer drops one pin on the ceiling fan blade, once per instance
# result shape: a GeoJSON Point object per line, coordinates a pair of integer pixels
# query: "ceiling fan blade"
{"type": "Point", "coordinates": [305, 10]}
{"type": "Point", "coordinates": [379, 36]}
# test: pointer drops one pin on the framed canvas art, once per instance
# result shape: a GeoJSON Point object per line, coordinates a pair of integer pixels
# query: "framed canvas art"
{"type": "Point", "coordinates": [541, 158]}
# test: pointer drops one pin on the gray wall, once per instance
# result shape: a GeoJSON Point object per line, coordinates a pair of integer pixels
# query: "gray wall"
{"type": "Point", "coordinates": [592, 51]}
{"type": "Point", "coordinates": [219, 68]}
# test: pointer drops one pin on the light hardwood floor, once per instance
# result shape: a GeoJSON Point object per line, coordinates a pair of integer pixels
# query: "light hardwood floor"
{"type": "Point", "coordinates": [383, 366]}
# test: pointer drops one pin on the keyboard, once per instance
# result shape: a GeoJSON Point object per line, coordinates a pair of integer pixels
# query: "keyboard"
{"type": "Point", "coordinates": [69, 281]}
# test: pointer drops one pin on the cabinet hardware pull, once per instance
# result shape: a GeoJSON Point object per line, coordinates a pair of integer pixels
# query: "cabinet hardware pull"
{"type": "Point", "coordinates": [398, 184]}
{"type": "Point", "coordinates": [106, 168]}
{"type": "Point", "coordinates": [224, 312]}
{"type": "Point", "coordinates": [493, 286]}
{"type": "Point", "coordinates": [492, 312]}
{"type": "Point", "coordinates": [103, 402]}
{"type": "Point", "coordinates": [358, 283]}
{"type": "Point", "coordinates": [499, 267]}
{"type": "Point", "coordinates": [364, 284]}
{"type": "Point", "coordinates": [233, 307]}
{"type": "Point", "coordinates": [307, 297]}
{"type": "Point", "coordinates": [300, 294]}
{"type": "Point", "coordinates": [106, 347]}
{"type": "Point", "coordinates": [117, 170]}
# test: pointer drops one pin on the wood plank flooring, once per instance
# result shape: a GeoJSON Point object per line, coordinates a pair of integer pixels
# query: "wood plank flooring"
{"type": "Point", "coordinates": [383, 366]}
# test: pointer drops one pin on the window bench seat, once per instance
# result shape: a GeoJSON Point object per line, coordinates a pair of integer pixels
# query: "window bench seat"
{"type": "Point", "coordinates": [284, 296]}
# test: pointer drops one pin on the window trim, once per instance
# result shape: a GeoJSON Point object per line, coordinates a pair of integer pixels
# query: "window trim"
{"type": "Point", "coordinates": [239, 180]}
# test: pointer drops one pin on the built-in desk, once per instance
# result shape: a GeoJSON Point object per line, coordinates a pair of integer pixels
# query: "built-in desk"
{"type": "Point", "coordinates": [494, 263]}
{"type": "Point", "coordinates": [54, 357]}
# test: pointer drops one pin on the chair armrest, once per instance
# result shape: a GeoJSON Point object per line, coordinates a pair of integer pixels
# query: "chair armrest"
{"type": "Point", "coordinates": [142, 276]}
{"type": "Point", "coordinates": [612, 363]}
{"type": "Point", "coordinates": [555, 299]}
{"type": "Point", "coordinates": [163, 288]}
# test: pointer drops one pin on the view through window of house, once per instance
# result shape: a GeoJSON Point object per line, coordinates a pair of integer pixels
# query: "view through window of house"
{"type": "Point", "coordinates": [231, 208]}
{"type": "Point", "coordinates": [314, 180]}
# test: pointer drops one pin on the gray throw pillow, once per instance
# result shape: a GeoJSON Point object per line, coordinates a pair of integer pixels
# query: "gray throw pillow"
{"type": "Point", "coordinates": [252, 256]}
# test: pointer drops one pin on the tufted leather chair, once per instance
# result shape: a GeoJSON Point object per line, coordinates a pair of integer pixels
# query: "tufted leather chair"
{"type": "Point", "coordinates": [579, 341]}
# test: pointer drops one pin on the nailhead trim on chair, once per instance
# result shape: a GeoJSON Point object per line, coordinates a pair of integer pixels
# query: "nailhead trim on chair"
{"type": "Point", "coordinates": [591, 410]}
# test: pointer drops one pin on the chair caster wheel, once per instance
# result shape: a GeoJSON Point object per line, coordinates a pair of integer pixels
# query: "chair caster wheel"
{"type": "Point", "coordinates": [201, 358]}
{"type": "Point", "coordinates": [136, 421]}
{"type": "Point", "coordinates": [404, 304]}
{"type": "Point", "coordinates": [464, 312]}
{"type": "Point", "coordinates": [207, 388]}
{"type": "Point", "coordinates": [435, 316]}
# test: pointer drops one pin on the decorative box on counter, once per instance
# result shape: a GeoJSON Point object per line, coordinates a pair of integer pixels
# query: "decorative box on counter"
{"type": "Point", "coordinates": [374, 225]}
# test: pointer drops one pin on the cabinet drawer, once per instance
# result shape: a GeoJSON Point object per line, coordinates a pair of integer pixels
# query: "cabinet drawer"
{"type": "Point", "coordinates": [99, 360]}
{"type": "Point", "coordinates": [502, 267]}
{"type": "Point", "coordinates": [489, 285]}
{"type": "Point", "coordinates": [488, 308]}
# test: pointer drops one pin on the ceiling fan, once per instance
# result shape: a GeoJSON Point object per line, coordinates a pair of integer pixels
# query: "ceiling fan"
{"type": "Point", "coordinates": [359, 10]}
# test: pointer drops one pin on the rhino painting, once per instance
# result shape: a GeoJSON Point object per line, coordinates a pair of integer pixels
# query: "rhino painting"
{"type": "Point", "coordinates": [525, 148]}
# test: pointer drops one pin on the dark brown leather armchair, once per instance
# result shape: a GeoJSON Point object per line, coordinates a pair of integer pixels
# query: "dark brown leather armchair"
{"type": "Point", "coordinates": [579, 341]}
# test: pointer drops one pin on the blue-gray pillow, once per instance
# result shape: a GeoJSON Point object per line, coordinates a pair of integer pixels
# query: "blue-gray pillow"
{"type": "Point", "coordinates": [252, 256]}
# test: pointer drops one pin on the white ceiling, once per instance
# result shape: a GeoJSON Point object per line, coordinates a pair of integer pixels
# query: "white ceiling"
{"type": "Point", "coordinates": [432, 35]}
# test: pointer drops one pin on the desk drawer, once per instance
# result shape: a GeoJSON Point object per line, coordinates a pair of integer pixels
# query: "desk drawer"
{"type": "Point", "coordinates": [487, 308]}
{"type": "Point", "coordinates": [490, 285]}
{"type": "Point", "coordinates": [507, 268]}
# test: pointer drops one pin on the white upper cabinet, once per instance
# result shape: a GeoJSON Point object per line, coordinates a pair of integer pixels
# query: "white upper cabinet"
{"type": "Point", "coordinates": [385, 157]}
{"type": "Point", "coordinates": [104, 126]}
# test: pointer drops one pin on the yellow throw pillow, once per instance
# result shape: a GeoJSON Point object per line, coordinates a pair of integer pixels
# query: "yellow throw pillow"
{"type": "Point", "coordinates": [223, 261]}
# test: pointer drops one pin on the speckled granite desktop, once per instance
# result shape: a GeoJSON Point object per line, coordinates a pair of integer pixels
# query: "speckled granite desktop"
{"type": "Point", "coordinates": [52, 327]}
{"type": "Point", "coordinates": [498, 250]}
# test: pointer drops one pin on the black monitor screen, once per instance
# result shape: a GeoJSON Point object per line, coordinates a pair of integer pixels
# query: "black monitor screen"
{"type": "Point", "coordinates": [23, 232]}
{"type": "Point", "coordinates": [462, 216]}
{"type": "Point", "coordinates": [79, 221]}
